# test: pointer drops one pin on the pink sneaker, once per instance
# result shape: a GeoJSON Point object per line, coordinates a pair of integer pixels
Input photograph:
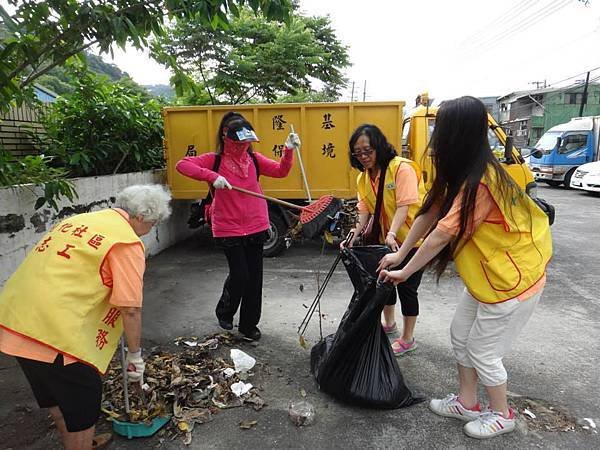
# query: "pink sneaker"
{"type": "Point", "coordinates": [391, 329]}
{"type": "Point", "coordinates": [402, 347]}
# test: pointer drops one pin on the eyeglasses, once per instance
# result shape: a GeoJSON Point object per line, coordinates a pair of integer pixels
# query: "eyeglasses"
{"type": "Point", "coordinates": [366, 152]}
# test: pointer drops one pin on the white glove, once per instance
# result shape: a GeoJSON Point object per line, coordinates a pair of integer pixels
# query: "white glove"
{"type": "Point", "coordinates": [292, 141]}
{"type": "Point", "coordinates": [221, 183]}
{"type": "Point", "coordinates": [135, 366]}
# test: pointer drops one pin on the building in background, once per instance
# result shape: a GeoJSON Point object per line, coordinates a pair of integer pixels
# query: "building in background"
{"type": "Point", "coordinates": [491, 104]}
{"type": "Point", "coordinates": [19, 123]}
{"type": "Point", "coordinates": [527, 115]}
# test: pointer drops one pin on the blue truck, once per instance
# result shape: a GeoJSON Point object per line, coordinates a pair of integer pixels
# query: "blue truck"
{"type": "Point", "coordinates": [563, 148]}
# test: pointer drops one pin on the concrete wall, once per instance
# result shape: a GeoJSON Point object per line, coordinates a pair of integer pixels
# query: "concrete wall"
{"type": "Point", "coordinates": [21, 227]}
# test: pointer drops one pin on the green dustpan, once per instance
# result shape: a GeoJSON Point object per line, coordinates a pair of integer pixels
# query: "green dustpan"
{"type": "Point", "coordinates": [139, 429]}
{"type": "Point", "coordinates": [132, 430]}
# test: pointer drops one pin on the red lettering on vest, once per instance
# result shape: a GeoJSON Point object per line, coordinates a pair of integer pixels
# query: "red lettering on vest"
{"type": "Point", "coordinates": [65, 253]}
{"type": "Point", "coordinates": [96, 241]}
{"type": "Point", "coordinates": [101, 340]}
{"type": "Point", "coordinates": [111, 316]}
{"type": "Point", "coordinates": [43, 245]}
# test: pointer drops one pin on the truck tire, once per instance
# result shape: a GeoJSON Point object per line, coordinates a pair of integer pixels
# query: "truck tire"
{"type": "Point", "coordinates": [568, 177]}
{"type": "Point", "coordinates": [275, 243]}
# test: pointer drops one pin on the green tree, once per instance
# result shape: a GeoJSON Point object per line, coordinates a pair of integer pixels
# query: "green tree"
{"type": "Point", "coordinates": [42, 35]}
{"type": "Point", "coordinates": [255, 59]}
{"type": "Point", "coordinates": [104, 127]}
{"type": "Point", "coordinates": [38, 36]}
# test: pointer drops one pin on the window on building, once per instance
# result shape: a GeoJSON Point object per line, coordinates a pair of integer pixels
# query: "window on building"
{"type": "Point", "coordinates": [573, 142]}
{"type": "Point", "coordinates": [573, 99]}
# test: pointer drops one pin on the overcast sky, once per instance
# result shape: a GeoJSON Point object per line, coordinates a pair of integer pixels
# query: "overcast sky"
{"type": "Point", "coordinates": [449, 48]}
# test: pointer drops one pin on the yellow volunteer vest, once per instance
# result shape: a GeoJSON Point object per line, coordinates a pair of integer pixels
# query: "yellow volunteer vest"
{"type": "Point", "coordinates": [365, 191]}
{"type": "Point", "coordinates": [501, 261]}
{"type": "Point", "coordinates": [57, 295]}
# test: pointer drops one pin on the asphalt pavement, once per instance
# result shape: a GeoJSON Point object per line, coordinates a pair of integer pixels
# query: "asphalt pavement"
{"type": "Point", "coordinates": [555, 359]}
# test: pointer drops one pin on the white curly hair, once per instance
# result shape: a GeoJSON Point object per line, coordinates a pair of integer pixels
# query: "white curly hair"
{"type": "Point", "coordinates": [150, 201]}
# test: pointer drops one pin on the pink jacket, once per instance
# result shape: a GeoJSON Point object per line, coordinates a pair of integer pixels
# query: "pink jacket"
{"type": "Point", "coordinates": [235, 213]}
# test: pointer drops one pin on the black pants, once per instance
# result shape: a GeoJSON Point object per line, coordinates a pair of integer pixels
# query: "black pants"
{"type": "Point", "coordinates": [407, 291]}
{"type": "Point", "coordinates": [244, 282]}
{"type": "Point", "coordinates": [75, 388]}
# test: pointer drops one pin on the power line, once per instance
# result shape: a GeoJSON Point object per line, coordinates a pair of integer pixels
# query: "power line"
{"type": "Point", "coordinates": [577, 75]}
{"type": "Point", "coordinates": [523, 6]}
{"type": "Point", "coordinates": [532, 19]}
{"type": "Point", "coordinates": [501, 30]}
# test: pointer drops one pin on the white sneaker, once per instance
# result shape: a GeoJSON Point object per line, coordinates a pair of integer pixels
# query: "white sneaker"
{"type": "Point", "coordinates": [452, 407]}
{"type": "Point", "coordinates": [490, 424]}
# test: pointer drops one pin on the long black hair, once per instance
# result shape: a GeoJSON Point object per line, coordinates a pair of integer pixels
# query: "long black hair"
{"type": "Point", "coordinates": [229, 120]}
{"type": "Point", "coordinates": [385, 151]}
{"type": "Point", "coordinates": [461, 157]}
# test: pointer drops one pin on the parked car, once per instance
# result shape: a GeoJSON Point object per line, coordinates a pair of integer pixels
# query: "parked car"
{"type": "Point", "coordinates": [587, 177]}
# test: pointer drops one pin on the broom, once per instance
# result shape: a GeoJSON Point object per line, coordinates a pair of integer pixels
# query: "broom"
{"type": "Point", "coordinates": [313, 217]}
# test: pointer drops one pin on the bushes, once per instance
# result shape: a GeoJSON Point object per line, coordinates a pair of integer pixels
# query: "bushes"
{"type": "Point", "coordinates": [104, 128]}
{"type": "Point", "coordinates": [36, 170]}
{"type": "Point", "coordinates": [100, 128]}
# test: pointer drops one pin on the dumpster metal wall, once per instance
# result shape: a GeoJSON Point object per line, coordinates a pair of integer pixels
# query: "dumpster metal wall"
{"type": "Point", "coordinates": [324, 129]}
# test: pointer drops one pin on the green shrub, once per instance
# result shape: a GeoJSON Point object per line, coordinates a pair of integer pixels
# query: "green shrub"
{"type": "Point", "coordinates": [36, 170]}
{"type": "Point", "coordinates": [103, 128]}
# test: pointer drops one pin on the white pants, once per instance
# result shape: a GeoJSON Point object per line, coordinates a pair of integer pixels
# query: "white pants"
{"type": "Point", "coordinates": [483, 333]}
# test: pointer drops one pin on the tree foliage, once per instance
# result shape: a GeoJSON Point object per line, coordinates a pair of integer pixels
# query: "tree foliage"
{"type": "Point", "coordinates": [42, 35]}
{"type": "Point", "coordinates": [39, 36]}
{"type": "Point", "coordinates": [104, 127]}
{"type": "Point", "coordinates": [255, 59]}
{"type": "Point", "coordinates": [59, 79]}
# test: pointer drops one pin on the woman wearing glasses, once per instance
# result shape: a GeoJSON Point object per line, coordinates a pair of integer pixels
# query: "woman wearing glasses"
{"type": "Point", "coordinates": [389, 191]}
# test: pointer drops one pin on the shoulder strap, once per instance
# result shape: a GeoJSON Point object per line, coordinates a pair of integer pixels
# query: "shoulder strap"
{"type": "Point", "coordinates": [373, 235]}
{"type": "Point", "coordinates": [216, 165]}
{"type": "Point", "coordinates": [217, 162]}
{"type": "Point", "coordinates": [253, 156]}
{"type": "Point", "coordinates": [379, 202]}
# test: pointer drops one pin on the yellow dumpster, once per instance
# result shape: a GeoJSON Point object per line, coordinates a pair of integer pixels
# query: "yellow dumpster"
{"type": "Point", "coordinates": [324, 129]}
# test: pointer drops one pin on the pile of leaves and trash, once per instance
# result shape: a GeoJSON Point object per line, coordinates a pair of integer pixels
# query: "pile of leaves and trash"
{"type": "Point", "coordinates": [192, 384]}
{"type": "Point", "coordinates": [540, 415]}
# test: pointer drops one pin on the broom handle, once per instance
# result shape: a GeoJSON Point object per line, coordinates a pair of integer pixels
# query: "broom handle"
{"type": "Point", "coordinates": [266, 197]}
{"type": "Point", "coordinates": [302, 168]}
{"type": "Point", "coordinates": [125, 380]}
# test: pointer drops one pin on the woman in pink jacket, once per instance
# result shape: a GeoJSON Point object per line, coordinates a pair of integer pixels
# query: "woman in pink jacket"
{"type": "Point", "coordinates": [239, 221]}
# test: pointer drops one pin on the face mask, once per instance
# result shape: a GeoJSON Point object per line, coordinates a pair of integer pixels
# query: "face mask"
{"type": "Point", "coordinates": [236, 147]}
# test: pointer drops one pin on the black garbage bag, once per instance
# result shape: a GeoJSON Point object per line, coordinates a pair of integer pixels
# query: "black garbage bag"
{"type": "Point", "coordinates": [356, 364]}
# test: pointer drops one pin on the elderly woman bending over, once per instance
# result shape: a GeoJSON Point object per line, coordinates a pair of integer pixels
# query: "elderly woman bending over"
{"type": "Point", "coordinates": [63, 311]}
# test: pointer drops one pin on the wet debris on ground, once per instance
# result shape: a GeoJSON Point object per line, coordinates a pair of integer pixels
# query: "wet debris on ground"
{"type": "Point", "coordinates": [301, 413]}
{"type": "Point", "coordinates": [192, 384]}
{"type": "Point", "coordinates": [540, 415]}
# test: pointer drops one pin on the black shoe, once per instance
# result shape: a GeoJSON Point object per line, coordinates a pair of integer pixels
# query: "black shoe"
{"type": "Point", "coordinates": [253, 334]}
{"type": "Point", "coordinates": [226, 324]}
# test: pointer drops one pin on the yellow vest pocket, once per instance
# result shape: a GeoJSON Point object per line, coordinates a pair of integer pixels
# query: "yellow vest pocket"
{"type": "Point", "coordinates": [502, 272]}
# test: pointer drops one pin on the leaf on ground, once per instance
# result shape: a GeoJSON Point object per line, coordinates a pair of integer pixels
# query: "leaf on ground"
{"type": "Point", "coordinates": [247, 424]}
{"type": "Point", "coordinates": [303, 342]}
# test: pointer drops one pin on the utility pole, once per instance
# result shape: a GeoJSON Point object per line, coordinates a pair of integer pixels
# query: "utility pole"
{"type": "Point", "coordinates": [538, 84]}
{"type": "Point", "coordinates": [584, 96]}
{"type": "Point", "coordinates": [352, 96]}
{"type": "Point", "coordinates": [365, 90]}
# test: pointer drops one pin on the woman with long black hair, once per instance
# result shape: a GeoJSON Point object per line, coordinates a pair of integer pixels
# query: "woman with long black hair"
{"type": "Point", "coordinates": [500, 242]}
{"type": "Point", "coordinates": [389, 194]}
